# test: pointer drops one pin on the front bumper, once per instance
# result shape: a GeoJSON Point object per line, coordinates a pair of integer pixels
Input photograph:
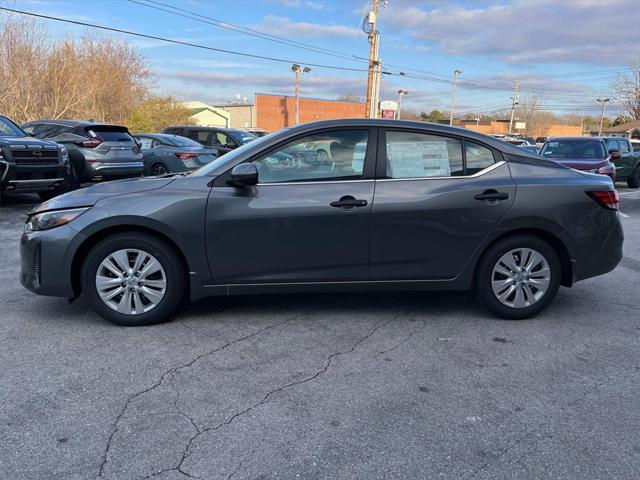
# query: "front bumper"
{"type": "Point", "coordinates": [46, 261]}
{"type": "Point", "coordinates": [31, 178]}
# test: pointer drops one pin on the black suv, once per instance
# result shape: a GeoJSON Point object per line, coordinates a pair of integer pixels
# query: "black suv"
{"type": "Point", "coordinates": [31, 165]}
{"type": "Point", "coordinates": [97, 151]}
{"type": "Point", "coordinates": [221, 139]}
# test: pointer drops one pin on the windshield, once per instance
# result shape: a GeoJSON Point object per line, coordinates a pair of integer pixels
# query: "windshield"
{"type": "Point", "coordinates": [9, 129]}
{"type": "Point", "coordinates": [573, 149]}
{"type": "Point", "coordinates": [223, 163]}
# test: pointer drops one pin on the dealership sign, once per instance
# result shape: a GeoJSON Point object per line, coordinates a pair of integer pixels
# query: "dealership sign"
{"type": "Point", "coordinates": [388, 109]}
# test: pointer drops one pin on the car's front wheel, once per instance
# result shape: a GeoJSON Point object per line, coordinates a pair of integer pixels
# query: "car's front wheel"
{"type": "Point", "coordinates": [133, 279]}
{"type": "Point", "coordinates": [518, 276]}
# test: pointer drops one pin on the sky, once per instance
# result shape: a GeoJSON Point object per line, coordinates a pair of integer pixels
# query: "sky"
{"type": "Point", "coordinates": [565, 53]}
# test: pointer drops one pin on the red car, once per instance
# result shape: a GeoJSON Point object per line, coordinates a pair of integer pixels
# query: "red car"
{"type": "Point", "coordinates": [588, 154]}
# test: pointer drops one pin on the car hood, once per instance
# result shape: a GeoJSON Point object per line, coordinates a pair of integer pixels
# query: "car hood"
{"type": "Point", "coordinates": [25, 141]}
{"type": "Point", "coordinates": [86, 197]}
{"type": "Point", "coordinates": [581, 163]}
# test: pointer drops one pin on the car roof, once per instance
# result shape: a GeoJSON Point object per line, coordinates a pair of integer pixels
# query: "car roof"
{"type": "Point", "coordinates": [409, 124]}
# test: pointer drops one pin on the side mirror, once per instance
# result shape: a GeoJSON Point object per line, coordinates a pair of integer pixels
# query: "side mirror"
{"type": "Point", "coordinates": [614, 153]}
{"type": "Point", "coordinates": [244, 175]}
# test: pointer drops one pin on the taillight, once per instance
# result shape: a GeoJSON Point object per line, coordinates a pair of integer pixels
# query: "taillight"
{"type": "Point", "coordinates": [606, 170]}
{"type": "Point", "coordinates": [184, 156]}
{"type": "Point", "coordinates": [606, 198]}
{"type": "Point", "coordinates": [89, 143]}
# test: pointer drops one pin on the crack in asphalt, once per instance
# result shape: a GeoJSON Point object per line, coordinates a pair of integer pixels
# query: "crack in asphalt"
{"type": "Point", "coordinates": [267, 397]}
{"type": "Point", "coordinates": [403, 341]}
{"type": "Point", "coordinates": [171, 371]}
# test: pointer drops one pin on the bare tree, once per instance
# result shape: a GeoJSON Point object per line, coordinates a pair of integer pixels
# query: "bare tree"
{"type": "Point", "coordinates": [40, 77]}
{"type": "Point", "coordinates": [626, 90]}
{"type": "Point", "coordinates": [536, 120]}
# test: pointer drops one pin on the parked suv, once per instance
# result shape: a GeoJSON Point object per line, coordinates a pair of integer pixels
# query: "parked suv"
{"type": "Point", "coordinates": [625, 160]}
{"type": "Point", "coordinates": [97, 151]}
{"type": "Point", "coordinates": [31, 165]}
{"type": "Point", "coordinates": [222, 139]}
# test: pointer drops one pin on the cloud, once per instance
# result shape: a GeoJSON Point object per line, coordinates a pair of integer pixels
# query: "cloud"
{"type": "Point", "coordinates": [524, 32]}
{"type": "Point", "coordinates": [282, 26]}
{"type": "Point", "coordinates": [298, 3]}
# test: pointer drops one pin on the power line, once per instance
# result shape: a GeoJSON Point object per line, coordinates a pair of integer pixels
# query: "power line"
{"type": "Point", "coordinates": [244, 30]}
{"type": "Point", "coordinates": [178, 42]}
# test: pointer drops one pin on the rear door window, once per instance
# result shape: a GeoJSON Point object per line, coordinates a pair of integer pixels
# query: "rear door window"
{"type": "Point", "coordinates": [146, 143]}
{"type": "Point", "coordinates": [478, 157]}
{"type": "Point", "coordinates": [419, 155]}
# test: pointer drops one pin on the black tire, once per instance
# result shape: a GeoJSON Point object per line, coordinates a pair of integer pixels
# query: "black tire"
{"type": "Point", "coordinates": [490, 258]}
{"type": "Point", "coordinates": [164, 253]}
{"type": "Point", "coordinates": [78, 162]}
{"type": "Point", "coordinates": [634, 179]}
{"type": "Point", "coordinates": [159, 169]}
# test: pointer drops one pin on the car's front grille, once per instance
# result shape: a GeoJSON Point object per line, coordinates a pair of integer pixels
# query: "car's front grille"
{"type": "Point", "coordinates": [35, 157]}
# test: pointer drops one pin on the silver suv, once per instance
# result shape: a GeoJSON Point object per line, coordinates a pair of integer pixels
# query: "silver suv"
{"type": "Point", "coordinates": [97, 151]}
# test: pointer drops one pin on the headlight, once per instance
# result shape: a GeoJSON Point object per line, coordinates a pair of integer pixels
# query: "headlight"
{"type": "Point", "coordinates": [65, 154]}
{"type": "Point", "coordinates": [49, 220]}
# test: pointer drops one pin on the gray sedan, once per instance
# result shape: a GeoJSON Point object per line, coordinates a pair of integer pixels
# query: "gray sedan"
{"type": "Point", "coordinates": [172, 153]}
{"type": "Point", "coordinates": [428, 207]}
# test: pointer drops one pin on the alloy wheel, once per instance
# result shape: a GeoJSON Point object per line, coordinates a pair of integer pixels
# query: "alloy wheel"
{"type": "Point", "coordinates": [520, 278]}
{"type": "Point", "coordinates": [131, 281]}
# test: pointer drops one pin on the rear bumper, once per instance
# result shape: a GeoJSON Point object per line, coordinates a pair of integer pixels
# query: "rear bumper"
{"type": "Point", "coordinates": [31, 178]}
{"type": "Point", "coordinates": [595, 245]}
{"type": "Point", "coordinates": [97, 170]}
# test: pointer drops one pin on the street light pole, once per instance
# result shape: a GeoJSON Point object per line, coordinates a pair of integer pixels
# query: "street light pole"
{"type": "Point", "coordinates": [514, 102]}
{"type": "Point", "coordinates": [401, 93]}
{"type": "Point", "coordinates": [604, 102]}
{"type": "Point", "coordinates": [456, 72]}
{"type": "Point", "coordinates": [298, 70]}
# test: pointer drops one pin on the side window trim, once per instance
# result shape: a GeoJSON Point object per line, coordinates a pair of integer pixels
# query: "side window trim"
{"type": "Point", "coordinates": [381, 161]}
{"type": "Point", "coordinates": [368, 172]}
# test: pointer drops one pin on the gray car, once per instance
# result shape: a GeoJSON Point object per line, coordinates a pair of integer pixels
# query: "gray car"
{"type": "Point", "coordinates": [429, 207]}
{"type": "Point", "coordinates": [164, 154]}
{"type": "Point", "coordinates": [97, 151]}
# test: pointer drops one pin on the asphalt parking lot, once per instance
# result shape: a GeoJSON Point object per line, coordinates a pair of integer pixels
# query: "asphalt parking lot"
{"type": "Point", "coordinates": [356, 386]}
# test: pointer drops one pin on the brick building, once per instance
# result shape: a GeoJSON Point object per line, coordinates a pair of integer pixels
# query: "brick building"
{"type": "Point", "coordinates": [274, 112]}
{"type": "Point", "coordinates": [502, 127]}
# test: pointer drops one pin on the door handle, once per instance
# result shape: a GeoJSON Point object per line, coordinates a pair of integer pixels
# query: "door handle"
{"type": "Point", "coordinates": [348, 202]}
{"type": "Point", "coordinates": [492, 196]}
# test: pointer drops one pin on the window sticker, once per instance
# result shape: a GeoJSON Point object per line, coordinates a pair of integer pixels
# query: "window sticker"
{"type": "Point", "coordinates": [419, 159]}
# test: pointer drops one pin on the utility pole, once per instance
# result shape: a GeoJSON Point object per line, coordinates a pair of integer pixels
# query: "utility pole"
{"type": "Point", "coordinates": [514, 102]}
{"type": "Point", "coordinates": [298, 70]}
{"type": "Point", "coordinates": [401, 93]}
{"type": "Point", "coordinates": [456, 72]}
{"type": "Point", "coordinates": [582, 124]}
{"type": "Point", "coordinates": [370, 26]}
{"type": "Point", "coordinates": [604, 102]}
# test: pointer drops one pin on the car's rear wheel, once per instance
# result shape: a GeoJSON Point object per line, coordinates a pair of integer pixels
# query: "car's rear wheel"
{"type": "Point", "coordinates": [133, 279]}
{"type": "Point", "coordinates": [518, 276]}
{"type": "Point", "coordinates": [159, 169]}
{"type": "Point", "coordinates": [634, 179]}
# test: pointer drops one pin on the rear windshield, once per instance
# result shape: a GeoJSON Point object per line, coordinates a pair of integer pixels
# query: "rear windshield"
{"type": "Point", "coordinates": [573, 149]}
{"type": "Point", "coordinates": [9, 129]}
{"type": "Point", "coordinates": [109, 133]}
{"type": "Point", "coordinates": [181, 141]}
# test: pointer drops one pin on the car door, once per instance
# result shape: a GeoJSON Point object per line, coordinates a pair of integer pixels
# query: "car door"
{"type": "Point", "coordinates": [436, 198]}
{"type": "Point", "coordinates": [301, 222]}
{"type": "Point", "coordinates": [627, 161]}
